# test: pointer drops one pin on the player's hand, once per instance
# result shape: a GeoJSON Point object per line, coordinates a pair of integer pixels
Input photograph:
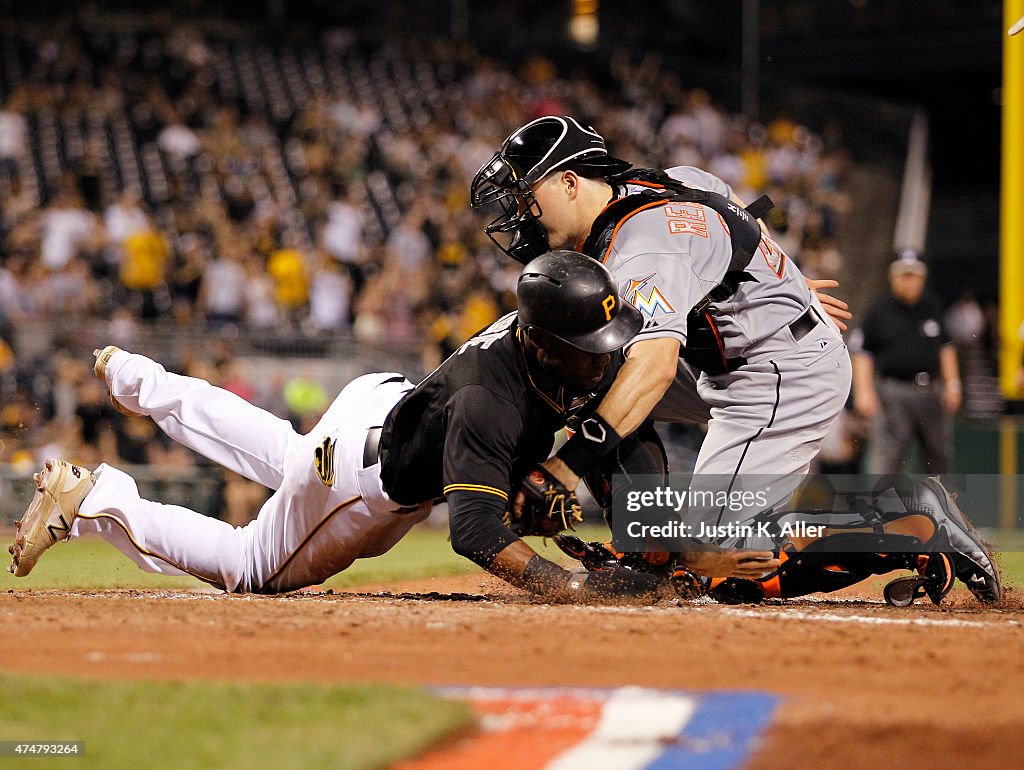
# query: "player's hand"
{"type": "Point", "coordinates": [866, 403]}
{"type": "Point", "coordinates": [837, 310]}
{"type": "Point", "coordinates": [729, 562]}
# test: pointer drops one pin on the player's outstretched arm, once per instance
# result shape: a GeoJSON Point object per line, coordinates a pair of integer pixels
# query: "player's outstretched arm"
{"type": "Point", "coordinates": [523, 567]}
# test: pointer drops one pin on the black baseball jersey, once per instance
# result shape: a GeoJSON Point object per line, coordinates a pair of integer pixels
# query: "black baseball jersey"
{"type": "Point", "coordinates": [904, 340]}
{"type": "Point", "coordinates": [472, 429]}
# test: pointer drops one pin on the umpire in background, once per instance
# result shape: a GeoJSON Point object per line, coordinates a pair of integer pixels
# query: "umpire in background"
{"type": "Point", "coordinates": [905, 375]}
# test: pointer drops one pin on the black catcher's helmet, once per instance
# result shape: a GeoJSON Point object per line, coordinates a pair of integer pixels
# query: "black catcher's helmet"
{"type": "Point", "coordinates": [572, 297]}
{"type": "Point", "coordinates": [528, 155]}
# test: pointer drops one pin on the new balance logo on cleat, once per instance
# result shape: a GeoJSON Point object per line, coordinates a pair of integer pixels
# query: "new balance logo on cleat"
{"type": "Point", "coordinates": [59, 531]}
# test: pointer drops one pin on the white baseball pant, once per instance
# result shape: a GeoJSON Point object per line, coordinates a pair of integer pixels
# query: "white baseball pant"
{"type": "Point", "coordinates": [313, 526]}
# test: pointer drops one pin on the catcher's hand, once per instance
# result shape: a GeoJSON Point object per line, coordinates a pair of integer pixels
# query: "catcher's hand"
{"type": "Point", "coordinates": [837, 310]}
{"type": "Point", "coordinates": [542, 505]}
{"type": "Point", "coordinates": [729, 562]}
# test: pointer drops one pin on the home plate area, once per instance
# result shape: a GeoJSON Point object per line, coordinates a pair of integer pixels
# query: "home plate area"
{"type": "Point", "coordinates": [628, 728]}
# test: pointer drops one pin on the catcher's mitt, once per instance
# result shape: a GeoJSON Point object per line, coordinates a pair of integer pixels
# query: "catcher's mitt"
{"type": "Point", "coordinates": [542, 505]}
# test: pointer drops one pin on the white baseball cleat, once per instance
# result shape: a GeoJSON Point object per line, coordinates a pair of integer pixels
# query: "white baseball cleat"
{"type": "Point", "coordinates": [60, 489]}
{"type": "Point", "coordinates": [100, 370]}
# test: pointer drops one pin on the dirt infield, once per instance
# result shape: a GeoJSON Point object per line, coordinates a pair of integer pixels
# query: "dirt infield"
{"type": "Point", "coordinates": [865, 685]}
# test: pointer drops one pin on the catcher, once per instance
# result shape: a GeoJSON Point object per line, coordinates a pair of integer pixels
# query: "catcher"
{"type": "Point", "coordinates": [380, 457]}
{"type": "Point", "coordinates": [733, 334]}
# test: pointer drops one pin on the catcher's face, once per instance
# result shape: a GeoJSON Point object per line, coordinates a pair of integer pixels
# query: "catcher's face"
{"type": "Point", "coordinates": [556, 193]}
{"type": "Point", "coordinates": [576, 369]}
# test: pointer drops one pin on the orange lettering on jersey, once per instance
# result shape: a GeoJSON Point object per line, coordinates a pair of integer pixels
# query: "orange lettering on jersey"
{"type": "Point", "coordinates": [774, 257]}
{"type": "Point", "coordinates": [608, 304]}
{"type": "Point", "coordinates": [686, 218]}
{"type": "Point", "coordinates": [680, 226]}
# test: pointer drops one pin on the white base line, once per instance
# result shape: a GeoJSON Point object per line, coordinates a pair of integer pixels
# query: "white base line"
{"type": "Point", "coordinates": [777, 614]}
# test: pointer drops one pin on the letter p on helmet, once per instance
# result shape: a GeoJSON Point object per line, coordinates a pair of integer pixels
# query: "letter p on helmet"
{"type": "Point", "coordinates": [608, 303]}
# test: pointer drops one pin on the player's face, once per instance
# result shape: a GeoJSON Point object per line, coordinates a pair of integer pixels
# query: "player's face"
{"type": "Point", "coordinates": [576, 369]}
{"type": "Point", "coordinates": [554, 193]}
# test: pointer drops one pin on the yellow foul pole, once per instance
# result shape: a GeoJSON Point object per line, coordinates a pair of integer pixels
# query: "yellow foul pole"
{"type": "Point", "coordinates": [1011, 220]}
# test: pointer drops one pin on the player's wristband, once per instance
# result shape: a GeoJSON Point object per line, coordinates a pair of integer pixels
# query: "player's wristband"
{"type": "Point", "coordinates": [594, 439]}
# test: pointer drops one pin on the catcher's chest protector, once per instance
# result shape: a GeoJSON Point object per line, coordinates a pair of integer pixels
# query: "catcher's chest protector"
{"type": "Point", "coordinates": [703, 348]}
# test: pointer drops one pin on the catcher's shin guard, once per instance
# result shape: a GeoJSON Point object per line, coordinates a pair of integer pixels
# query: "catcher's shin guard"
{"type": "Point", "coordinates": [972, 561]}
{"type": "Point", "coordinates": [935, 579]}
{"type": "Point", "coordinates": [735, 590]}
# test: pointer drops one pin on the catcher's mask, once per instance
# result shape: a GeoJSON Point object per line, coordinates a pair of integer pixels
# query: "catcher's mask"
{"type": "Point", "coordinates": [573, 298]}
{"type": "Point", "coordinates": [528, 155]}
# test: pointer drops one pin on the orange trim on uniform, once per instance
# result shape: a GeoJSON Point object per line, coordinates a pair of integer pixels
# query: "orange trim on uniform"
{"type": "Point", "coordinates": [637, 182]}
{"type": "Point", "coordinates": [317, 528]}
{"type": "Point", "coordinates": [142, 550]}
{"type": "Point", "coordinates": [718, 338]}
{"type": "Point", "coordinates": [773, 586]}
{"type": "Point", "coordinates": [623, 221]}
{"type": "Point", "coordinates": [922, 565]}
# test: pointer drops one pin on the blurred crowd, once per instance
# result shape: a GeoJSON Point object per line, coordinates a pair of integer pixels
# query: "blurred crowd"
{"type": "Point", "coordinates": [312, 188]}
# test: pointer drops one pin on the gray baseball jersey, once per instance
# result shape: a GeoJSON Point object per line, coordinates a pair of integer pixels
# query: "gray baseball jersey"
{"type": "Point", "coordinates": [665, 259]}
{"type": "Point", "coordinates": [769, 416]}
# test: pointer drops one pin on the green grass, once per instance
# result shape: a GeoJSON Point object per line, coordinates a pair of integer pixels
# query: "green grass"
{"type": "Point", "coordinates": [89, 563]}
{"type": "Point", "coordinates": [208, 724]}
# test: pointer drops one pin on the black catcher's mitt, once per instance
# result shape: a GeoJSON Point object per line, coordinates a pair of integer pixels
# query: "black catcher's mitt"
{"type": "Point", "coordinates": [542, 505]}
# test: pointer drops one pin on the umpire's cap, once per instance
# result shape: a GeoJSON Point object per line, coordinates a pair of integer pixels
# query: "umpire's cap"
{"type": "Point", "coordinates": [908, 261]}
{"type": "Point", "coordinates": [572, 297]}
{"type": "Point", "coordinates": [553, 142]}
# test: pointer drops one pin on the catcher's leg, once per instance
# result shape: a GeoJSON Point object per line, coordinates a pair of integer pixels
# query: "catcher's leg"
{"type": "Point", "coordinates": [972, 560]}
{"type": "Point", "coordinates": [640, 455]}
{"type": "Point", "coordinates": [212, 421]}
{"type": "Point", "coordinates": [843, 556]}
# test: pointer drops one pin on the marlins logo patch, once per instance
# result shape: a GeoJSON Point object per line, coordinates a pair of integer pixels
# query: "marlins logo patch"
{"type": "Point", "coordinates": [323, 461]}
{"type": "Point", "coordinates": [647, 299]}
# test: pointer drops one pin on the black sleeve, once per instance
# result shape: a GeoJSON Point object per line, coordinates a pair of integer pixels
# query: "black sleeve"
{"type": "Point", "coordinates": [482, 433]}
{"type": "Point", "coordinates": [475, 523]}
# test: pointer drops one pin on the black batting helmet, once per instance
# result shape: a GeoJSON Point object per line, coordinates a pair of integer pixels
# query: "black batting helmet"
{"type": "Point", "coordinates": [572, 297]}
{"type": "Point", "coordinates": [528, 155]}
